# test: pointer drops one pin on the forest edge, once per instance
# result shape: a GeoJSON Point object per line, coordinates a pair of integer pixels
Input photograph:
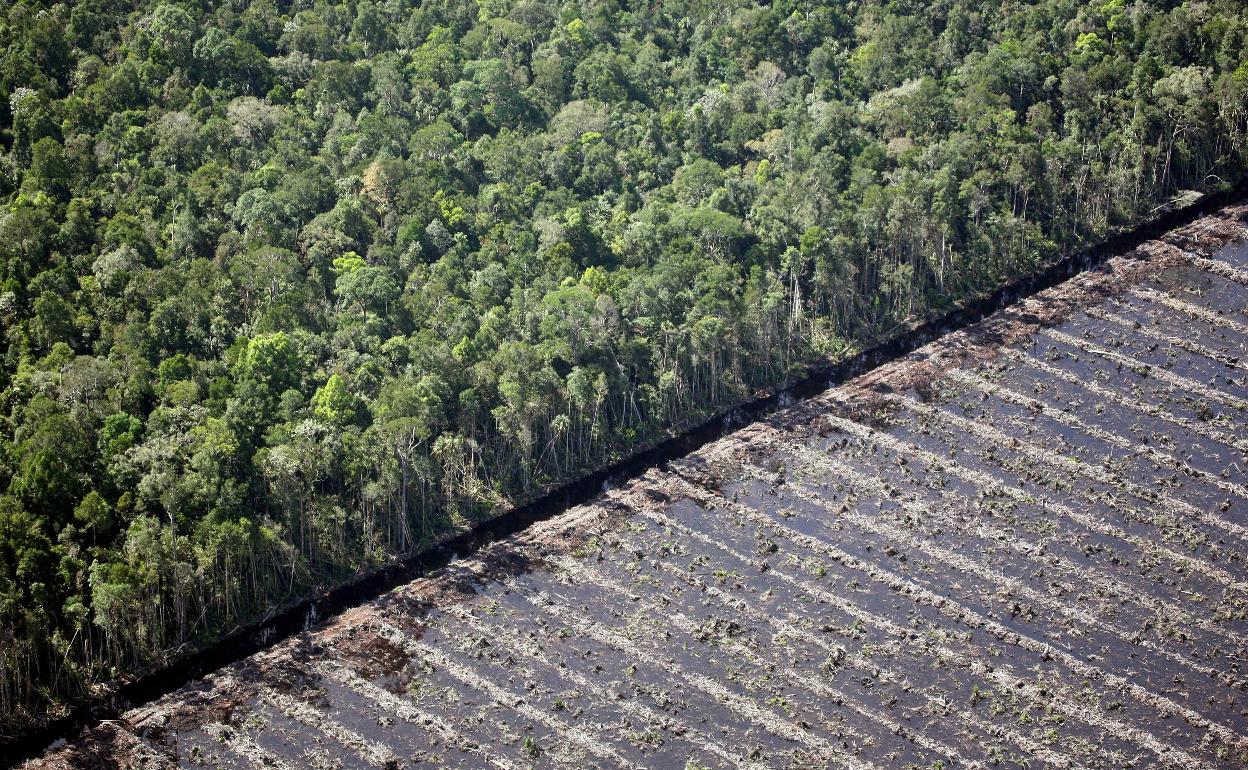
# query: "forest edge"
{"type": "Point", "coordinates": [301, 615]}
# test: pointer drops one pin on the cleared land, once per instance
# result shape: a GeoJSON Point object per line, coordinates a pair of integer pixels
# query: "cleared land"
{"type": "Point", "coordinates": [1022, 546]}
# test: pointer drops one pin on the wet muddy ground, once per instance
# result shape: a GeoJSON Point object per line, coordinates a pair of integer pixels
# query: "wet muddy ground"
{"type": "Point", "coordinates": [1023, 546]}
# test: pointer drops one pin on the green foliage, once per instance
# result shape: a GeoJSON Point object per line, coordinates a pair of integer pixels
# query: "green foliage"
{"type": "Point", "coordinates": [333, 402]}
{"type": "Point", "coordinates": [118, 433]}
{"type": "Point", "coordinates": [271, 361]}
{"type": "Point", "coordinates": [94, 515]}
{"type": "Point", "coordinates": [289, 290]}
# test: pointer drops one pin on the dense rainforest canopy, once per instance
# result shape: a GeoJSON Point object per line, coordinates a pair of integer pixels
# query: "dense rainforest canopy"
{"type": "Point", "coordinates": [291, 288]}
